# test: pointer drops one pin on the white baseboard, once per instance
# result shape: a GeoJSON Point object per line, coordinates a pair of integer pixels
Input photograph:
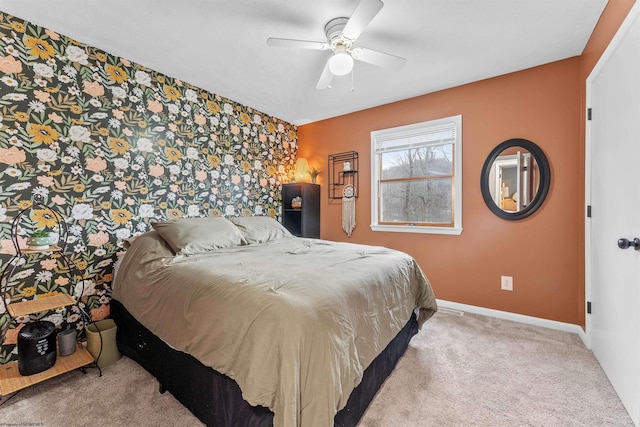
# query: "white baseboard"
{"type": "Point", "coordinates": [530, 320]}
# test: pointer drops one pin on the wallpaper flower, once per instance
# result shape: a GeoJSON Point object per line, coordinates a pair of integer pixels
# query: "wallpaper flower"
{"type": "Point", "coordinates": [112, 146]}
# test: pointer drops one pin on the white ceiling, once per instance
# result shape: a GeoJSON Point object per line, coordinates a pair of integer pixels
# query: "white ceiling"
{"type": "Point", "coordinates": [220, 45]}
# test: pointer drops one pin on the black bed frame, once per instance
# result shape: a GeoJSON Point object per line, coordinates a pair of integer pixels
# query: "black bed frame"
{"type": "Point", "coordinates": [215, 398]}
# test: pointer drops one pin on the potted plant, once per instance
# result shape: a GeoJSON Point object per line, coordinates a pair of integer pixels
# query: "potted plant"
{"type": "Point", "coordinates": [314, 172]}
{"type": "Point", "coordinates": [296, 202]}
{"type": "Point", "coordinates": [39, 239]}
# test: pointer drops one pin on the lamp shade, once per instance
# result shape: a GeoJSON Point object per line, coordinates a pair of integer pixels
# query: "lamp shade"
{"type": "Point", "coordinates": [301, 170]}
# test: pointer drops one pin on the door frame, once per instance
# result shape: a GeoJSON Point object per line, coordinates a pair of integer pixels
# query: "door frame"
{"type": "Point", "coordinates": [597, 69]}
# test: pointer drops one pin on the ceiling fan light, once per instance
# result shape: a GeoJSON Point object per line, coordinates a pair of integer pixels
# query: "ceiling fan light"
{"type": "Point", "coordinates": [340, 64]}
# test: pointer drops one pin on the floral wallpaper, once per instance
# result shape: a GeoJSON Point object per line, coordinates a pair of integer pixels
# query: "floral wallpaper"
{"type": "Point", "coordinates": [112, 146]}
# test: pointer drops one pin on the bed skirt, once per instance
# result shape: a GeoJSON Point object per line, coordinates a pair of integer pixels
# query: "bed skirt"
{"type": "Point", "coordinates": [216, 399]}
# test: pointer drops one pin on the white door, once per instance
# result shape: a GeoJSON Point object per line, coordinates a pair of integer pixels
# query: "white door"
{"type": "Point", "coordinates": [613, 192]}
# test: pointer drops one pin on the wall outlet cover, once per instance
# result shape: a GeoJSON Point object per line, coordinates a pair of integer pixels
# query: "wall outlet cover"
{"type": "Point", "coordinates": [506, 283]}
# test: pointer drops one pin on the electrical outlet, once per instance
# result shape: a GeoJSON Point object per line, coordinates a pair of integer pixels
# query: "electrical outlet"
{"type": "Point", "coordinates": [506, 283]}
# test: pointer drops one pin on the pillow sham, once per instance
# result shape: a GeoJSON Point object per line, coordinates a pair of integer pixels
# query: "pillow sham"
{"type": "Point", "coordinates": [190, 236]}
{"type": "Point", "coordinates": [260, 229]}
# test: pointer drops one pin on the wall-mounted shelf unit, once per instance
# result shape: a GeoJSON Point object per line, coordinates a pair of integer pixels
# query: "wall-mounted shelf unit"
{"type": "Point", "coordinates": [343, 170]}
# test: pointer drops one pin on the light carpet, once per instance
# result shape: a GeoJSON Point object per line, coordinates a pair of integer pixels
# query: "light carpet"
{"type": "Point", "coordinates": [458, 371]}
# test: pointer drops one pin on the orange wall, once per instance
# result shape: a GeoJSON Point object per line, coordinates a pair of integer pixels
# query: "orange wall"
{"type": "Point", "coordinates": [540, 104]}
{"type": "Point", "coordinates": [545, 252]}
{"type": "Point", "coordinates": [608, 24]}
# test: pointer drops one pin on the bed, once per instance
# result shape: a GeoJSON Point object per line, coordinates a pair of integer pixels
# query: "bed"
{"type": "Point", "coordinates": [248, 325]}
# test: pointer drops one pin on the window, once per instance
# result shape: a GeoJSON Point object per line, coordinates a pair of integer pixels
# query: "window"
{"type": "Point", "coordinates": [416, 179]}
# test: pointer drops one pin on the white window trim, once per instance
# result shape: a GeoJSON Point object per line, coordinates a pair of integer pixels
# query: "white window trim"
{"type": "Point", "coordinates": [457, 196]}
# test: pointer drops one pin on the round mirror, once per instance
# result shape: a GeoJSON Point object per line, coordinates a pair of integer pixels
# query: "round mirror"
{"type": "Point", "coordinates": [515, 179]}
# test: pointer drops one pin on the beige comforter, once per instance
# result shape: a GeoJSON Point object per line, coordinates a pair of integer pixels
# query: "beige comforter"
{"type": "Point", "coordinates": [294, 322]}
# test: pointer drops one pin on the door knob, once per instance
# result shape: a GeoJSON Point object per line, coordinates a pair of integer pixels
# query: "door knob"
{"type": "Point", "coordinates": [626, 243]}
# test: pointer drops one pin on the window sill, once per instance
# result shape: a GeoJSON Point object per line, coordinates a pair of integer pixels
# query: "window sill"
{"type": "Point", "coordinates": [454, 231]}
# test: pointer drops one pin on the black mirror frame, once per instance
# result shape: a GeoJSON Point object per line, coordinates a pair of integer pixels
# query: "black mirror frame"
{"type": "Point", "coordinates": [545, 178]}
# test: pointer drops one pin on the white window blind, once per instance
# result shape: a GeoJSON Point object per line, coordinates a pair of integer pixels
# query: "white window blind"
{"type": "Point", "coordinates": [433, 135]}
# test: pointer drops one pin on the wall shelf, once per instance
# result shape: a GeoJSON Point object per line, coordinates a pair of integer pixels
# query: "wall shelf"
{"type": "Point", "coordinates": [343, 170]}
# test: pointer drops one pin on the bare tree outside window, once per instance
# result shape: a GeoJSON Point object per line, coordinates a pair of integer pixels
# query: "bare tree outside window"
{"type": "Point", "coordinates": [416, 185]}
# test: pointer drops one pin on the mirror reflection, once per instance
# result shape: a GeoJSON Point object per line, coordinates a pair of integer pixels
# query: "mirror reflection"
{"type": "Point", "coordinates": [514, 179]}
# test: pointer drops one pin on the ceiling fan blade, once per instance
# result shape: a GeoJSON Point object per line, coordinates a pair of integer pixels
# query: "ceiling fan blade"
{"type": "Point", "coordinates": [325, 78]}
{"type": "Point", "coordinates": [360, 18]}
{"type": "Point", "coordinates": [380, 59]}
{"type": "Point", "coordinates": [303, 44]}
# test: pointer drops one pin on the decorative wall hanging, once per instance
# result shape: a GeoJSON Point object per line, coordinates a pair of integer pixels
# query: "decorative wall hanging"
{"type": "Point", "coordinates": [348, 209]}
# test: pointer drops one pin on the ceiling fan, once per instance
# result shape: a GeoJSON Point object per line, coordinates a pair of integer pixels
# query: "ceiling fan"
{"type": "Point", "coordinates": [341, 35]}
